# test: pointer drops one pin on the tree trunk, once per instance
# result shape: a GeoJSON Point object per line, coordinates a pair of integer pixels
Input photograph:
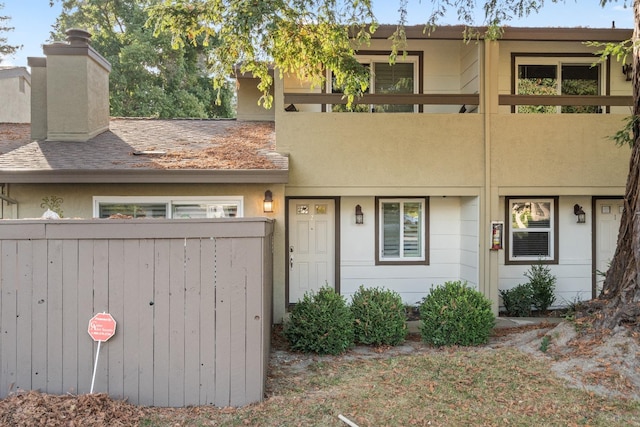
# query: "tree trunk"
{"type": "Point", "coordinates": [619, 301]}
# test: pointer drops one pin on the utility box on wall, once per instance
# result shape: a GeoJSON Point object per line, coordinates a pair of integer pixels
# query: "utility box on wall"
{"type": "Point", "coordinates": [192, 299]}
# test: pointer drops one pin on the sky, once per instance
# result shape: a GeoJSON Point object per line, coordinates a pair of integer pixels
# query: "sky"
{"type": "Point", "coordinates": [33, 20]}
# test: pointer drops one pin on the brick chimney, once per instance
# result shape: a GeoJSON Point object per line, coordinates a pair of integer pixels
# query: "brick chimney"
{"type": "Point", "coordinates": [70, 90]}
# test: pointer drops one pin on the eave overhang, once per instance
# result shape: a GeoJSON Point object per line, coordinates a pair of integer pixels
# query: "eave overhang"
{"type": "Point", "coordinates": [455, 32]}
{"type": "Point", "coordinates": [177, 176]}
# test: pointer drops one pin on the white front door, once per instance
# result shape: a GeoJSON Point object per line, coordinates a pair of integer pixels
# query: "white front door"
{"type": "Point", "coordinates": [608, 213]}
{"type": "Point", "coordinates": [311, 248]}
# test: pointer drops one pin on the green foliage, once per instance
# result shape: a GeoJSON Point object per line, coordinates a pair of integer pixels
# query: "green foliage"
{"type": "Point", "coordinates": [320, 323]}
{"type": "Point", "coordinates": [518, 301]}
{"type": "Point", "coordinates": [305, 37]}
{"type": "Point", "coordinates": [454, 314]}
{"type": "Point", "coordinates": [148, 77]}
{"type": "Point", "coordinates": [5, 49]}
{"type": "Point", "coordinates": [543, 286]}
{"type": "Point", "coordinates": [544, 345]}
{"type": "Point", "coordinates": [379, 317]}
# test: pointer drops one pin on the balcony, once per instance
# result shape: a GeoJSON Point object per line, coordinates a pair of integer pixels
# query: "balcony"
{"type": "Point", "coordinates": [420, 100]}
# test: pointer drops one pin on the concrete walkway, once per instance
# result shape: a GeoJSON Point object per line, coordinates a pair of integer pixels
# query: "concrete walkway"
{"type": "Point", "coordinates": [502, 322]}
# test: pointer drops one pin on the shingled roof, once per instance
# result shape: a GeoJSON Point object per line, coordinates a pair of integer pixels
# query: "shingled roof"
{"type": "Point", "coordinates": [148, 150]}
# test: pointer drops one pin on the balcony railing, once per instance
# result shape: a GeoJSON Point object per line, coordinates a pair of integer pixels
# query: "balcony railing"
{"type": "Point", "coordinates": [457, 99]}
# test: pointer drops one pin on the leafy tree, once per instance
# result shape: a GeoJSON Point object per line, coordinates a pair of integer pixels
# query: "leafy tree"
{"type": "Point", "coordinates": [148, 77]}
{"type": "Point", "coordinates": [5, 49]}
{"type": "Point", "coordinates": [308, 37]}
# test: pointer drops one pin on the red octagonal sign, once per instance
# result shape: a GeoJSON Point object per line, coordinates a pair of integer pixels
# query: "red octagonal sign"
{"type": "Point", "coordinates": [102, 326]}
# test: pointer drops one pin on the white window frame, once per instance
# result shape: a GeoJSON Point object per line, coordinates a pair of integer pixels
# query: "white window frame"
{"type": "Point", "coordinates": [169, 202]}
{"type": "Point", "coordinates": [370, 60]}
{"type": "Point", "coordinates": [559, 61]}
{"type": "Point", "coordinates": [551, 230]}
{"type": "Point", "coordinates": [401, 259]}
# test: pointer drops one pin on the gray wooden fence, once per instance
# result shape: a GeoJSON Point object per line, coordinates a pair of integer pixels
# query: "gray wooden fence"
{"type": "Point", "coordinates": [191, 298]}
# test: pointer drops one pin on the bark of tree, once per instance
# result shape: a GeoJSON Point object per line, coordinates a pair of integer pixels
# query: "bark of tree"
{"type": "Point", "coordinates": [619, 301]}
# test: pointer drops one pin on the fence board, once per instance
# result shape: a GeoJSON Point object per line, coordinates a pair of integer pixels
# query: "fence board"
{"type": "Point", "coordinates": [8, 354]}
{"type": "Point", "coordinates": [192, 322]}
{"type": "Point", "coordinates": [70, 331]}
{"type": "Point", "coordinates": [54, 317]}
{"type": "Point", "coordinates": [222, 350]}
{"type": "Point", "coordinates": [191, 311]}
{"type": "Point", "coordinates": [39, 305]}
{"type": "Point", "coordinates": [238, 284]}
{"type": "Point", "coordinates": [115, 346]}
{"type": "Point", "coordinates": [129, 326]}
{"type": "Point", "coordinates": [86, 310]}
{"type": "Point", "coordinates": [24, 314]}
{"type": "Point", "coordinates": [207, 322]}
{"type": "Point", "coordinates": [161, 325]}
{"type": "Point", "coordinates": [176, 322]}
{"type": "Point", "coordinates": [100, 304]}
{"type": "Point", "coordinates": [145, 310]}
{"type": "Point", "coordinates": [254, 341]}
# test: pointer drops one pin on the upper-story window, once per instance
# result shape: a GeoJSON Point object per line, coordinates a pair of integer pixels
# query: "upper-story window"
{"type": "Point", "coordinates": [390, 79]}
{"type": "Point", "coordinates": [558, 76]}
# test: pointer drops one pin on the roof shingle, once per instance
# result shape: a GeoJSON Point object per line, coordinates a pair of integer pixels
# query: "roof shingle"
{"type": "Point", "coordinates": [162, 146]}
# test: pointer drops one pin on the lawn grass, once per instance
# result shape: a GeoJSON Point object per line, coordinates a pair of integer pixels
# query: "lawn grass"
{"type": "Point", "coordinates": [448, 387]}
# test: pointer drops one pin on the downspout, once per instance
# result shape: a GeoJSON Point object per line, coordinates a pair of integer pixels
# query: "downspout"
{"type": "Point", "coordinates": [4, 196]}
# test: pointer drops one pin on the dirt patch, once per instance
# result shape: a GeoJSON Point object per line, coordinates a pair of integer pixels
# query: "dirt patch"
{"type": "Point", "coordinates": [607, 365]}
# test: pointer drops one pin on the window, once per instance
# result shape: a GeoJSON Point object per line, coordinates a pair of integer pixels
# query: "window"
{"type": "Point", "coordinates": [402, 230]}
{"type": "Point", "coordinates": [533, 230]}
{"type": "Point", "coordinates": [174, 207]}
{"type": "Point", "coordinates": [398, 78]}
{"type": "Point", "coordinates": [558, 76]}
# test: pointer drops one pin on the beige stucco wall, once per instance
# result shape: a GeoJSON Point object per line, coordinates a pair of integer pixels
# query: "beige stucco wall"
{"type": "Point", "coordinates": [78, 203]}
{"type": "Point", "coordinates": [570, 153]}
{"type": "Point", "coordinates": [248, 96]}
{"type": "Point", "coordinates": [352, 153]}
{"type": "Point", "coordinates": [15, 92]}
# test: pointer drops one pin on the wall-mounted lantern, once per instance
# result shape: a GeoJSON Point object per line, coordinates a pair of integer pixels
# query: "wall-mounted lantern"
{"type": "Point", "coordinates": [627, 70]}
{"type": "Point", "coordinates": [359, 215]}
{"type": "Point", "coordinates": [579, 212]}
{"type": "Point", "coordinates": [267, 204]}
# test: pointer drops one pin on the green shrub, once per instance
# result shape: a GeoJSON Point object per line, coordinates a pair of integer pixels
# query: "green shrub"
{"type": "Point", "coordinates": [379, 317]}
{"type": "Point", "coordinates": [543, 286]}
{"type": "Point", "coordinates": [320, 323]}
{"type": "Point", "coordinates": [517, 301]}
{"type": "Point", "coordinates": [454, 314]}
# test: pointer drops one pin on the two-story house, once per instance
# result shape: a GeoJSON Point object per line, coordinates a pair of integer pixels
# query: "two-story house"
{"type": "Point", "coordinates": [465, 161]}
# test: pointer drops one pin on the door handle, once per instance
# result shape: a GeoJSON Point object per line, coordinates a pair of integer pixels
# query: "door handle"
{"type": "Point", "coordinates": [291, 262]}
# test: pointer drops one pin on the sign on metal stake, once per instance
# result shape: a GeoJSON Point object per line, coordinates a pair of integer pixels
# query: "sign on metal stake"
{"type": "Point", "coordinates": [102, 326]}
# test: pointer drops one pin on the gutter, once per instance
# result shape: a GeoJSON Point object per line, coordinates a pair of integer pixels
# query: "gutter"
{"type": "Point", "coordinates": [155, 176]}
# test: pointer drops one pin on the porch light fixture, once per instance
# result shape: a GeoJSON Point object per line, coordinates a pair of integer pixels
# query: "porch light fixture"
{"type": "Point", "coordinates": [359, 215]}
{"type": "Point", "coordinates": [627, 70]}
{"type": "Point", "coordinates": [579, 212]}
{"type": "Point", "coordinates": [267, 204]}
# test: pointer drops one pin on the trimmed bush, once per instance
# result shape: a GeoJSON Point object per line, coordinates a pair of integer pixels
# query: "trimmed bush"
{"type": "Point", "coordinates": [543, 286]}
{"type": "Point", "coordinates": [320, 323]}
{"type": "Point", "coordinates": [379, 317]}
{"type": "Point", "coordinates": [517, 301]}
{"type": "Point", "coordinates": [454, 314]}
